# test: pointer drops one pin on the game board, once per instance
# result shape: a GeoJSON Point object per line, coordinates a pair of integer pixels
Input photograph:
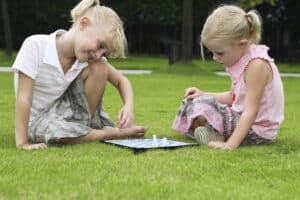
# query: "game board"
{"type": "Point", "coordinates": [149, 143]}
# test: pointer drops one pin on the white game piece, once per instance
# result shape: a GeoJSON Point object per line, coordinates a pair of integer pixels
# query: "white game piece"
{"type": "Point", "coordinates": [164, 141]}
{"type": "Point", "coordinates": [154, 139]}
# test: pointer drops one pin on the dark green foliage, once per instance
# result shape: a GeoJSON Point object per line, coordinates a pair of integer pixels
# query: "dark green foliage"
{"type": "Point", "coordinates": [149, 23]}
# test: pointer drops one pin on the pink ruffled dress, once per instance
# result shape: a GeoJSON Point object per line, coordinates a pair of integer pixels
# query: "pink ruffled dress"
{"type": "Point", "coordinates": [223, 118]}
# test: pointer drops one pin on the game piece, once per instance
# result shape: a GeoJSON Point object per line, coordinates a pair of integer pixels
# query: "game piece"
{"type": "Point", "coordinates": [154, 139]}
{"type": "Point", "coordinates": [164, 141]}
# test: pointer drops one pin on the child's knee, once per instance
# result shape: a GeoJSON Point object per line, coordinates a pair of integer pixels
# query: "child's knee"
{"type": "Point", "coordinates": [96, 69]}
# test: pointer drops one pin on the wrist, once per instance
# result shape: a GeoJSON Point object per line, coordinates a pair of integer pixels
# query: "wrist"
{"type": "Point", "coordinates": [129, 108]}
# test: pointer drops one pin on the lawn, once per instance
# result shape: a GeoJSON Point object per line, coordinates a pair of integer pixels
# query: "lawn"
{"type": "Point", "coordinates": [101, 171]}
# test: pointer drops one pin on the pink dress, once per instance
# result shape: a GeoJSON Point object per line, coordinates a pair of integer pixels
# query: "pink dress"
{"type": "Point", "coordinates": [223, 118]}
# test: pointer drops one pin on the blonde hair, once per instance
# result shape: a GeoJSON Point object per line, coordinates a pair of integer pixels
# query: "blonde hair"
{"type": "Point", "coordinates": [103, 15]}
{"type": "Point", "coordinates": [228, 23]}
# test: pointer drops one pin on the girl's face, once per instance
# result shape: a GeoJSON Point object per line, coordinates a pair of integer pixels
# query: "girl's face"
{"type": "Point", "coordinates": [226, 54]}
{"type": "Point", "coordinates": [92, 42]}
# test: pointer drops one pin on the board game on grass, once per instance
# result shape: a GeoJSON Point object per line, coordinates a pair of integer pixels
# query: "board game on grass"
{"type": "Point", "coordinates": [149, 143]}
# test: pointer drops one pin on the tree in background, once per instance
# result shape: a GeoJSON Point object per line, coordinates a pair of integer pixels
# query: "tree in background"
{"type": "Point", "coordinates": [6, 27]}
{"type": "Point", "coordinates": [187, 31]}
{"type": "Point", "coordinates": [33, 17]}
{"type": "Point", "coordinates": [253, 3]}
{"type": "Point", "coordinates": [149, 23]}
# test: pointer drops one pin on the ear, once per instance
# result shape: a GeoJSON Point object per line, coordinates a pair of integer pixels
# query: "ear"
{"type": "Point", "coordinates": [243, 43]}
{"type": "Point", "coordinates": [84, 23]}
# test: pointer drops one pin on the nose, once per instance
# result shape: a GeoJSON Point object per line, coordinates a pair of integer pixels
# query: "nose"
{"type": "Point", "coordinates": [215, 57]}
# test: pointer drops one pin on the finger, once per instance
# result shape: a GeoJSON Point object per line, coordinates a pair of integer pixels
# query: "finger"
{"type": "Point", "coordinates": [43, 146]}
{"type": "Point", "coordinates": [120, 115]}
{"type": "Point", "coordinates": [219, 145]}
{"type": "Point", "coordinates": [128, 123]}
{"type": "Point", "coordinates": [213, 145]}
{"type": "Point", "coordinates": [122, 122]}
{"type": "Point", "coordinates": [141, 134]}
{"type": "Point", "coordinates": [189, 97]}
{"type": "Point", "coordinates": [28, 147]}
{"type": "Point", "coordinates": [185, 94]}
{"type": "Point", "coordinates": [226, 147]}
{"type": "Point", "coordinates": [188, 92]}
{"type": "Point", "coordinates": [35, 146]}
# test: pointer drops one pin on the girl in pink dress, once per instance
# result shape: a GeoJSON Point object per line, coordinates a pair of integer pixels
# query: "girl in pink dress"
{"type": "Point", "coordinates": [252, 111]}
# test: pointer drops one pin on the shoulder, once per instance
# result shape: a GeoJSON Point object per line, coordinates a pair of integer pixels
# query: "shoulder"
{"type": "Point", "coordinates": [259, 70]}
{"type": "Point", "coordinates": [30, 55]}
{"type": "Point", "coordinates": [258, 65]}
{"type": "Point", "coordinates": [36, 40]}
{"type": "Point", "coordinates": [34, 45]}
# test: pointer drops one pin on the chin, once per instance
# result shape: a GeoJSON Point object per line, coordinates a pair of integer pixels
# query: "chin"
{"type": "Point", "coordinates": [80, 59]}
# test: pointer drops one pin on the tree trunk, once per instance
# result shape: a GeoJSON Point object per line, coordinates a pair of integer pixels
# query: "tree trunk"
{"type": "Point", "coordinates": [6, 26]}
{"type": "Point", "coordinates": [187, 31]}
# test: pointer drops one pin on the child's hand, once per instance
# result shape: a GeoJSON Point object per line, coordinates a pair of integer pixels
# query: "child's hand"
{"type": "Point", "coordinates": [221, 145]}
{"type": "Point", "coordinates": [192, 92]}
{"type": "Point", "coordinates": [125, 118]}
{"type": "Point", "coordinates": [33, 146]}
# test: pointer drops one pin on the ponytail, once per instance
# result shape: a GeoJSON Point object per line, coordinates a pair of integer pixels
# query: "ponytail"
{"type": "Point", "coordinates": [82, 7]}
{"type": "Point", "coordinates": [254, 21]}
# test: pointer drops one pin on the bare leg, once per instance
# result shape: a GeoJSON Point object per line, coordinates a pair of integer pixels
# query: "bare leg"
{"type": "Point", "coordinates": [107, 133]}
{"type": "Point", "coordinates": [95, 77]}
{"type": "Point", "coordinates": [199, 121]}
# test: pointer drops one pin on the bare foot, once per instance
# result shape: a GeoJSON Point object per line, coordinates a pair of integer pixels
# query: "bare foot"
{"type": "Point", "coordinates": [107, 133]}
{"type": "Point", "coordinates": [134, 131]}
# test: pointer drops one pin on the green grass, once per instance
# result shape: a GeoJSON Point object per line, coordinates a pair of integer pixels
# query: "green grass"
{"type": "Point", "coordinates": [102, 171]}
{"type": "Point", "coordinates": [6, 60]}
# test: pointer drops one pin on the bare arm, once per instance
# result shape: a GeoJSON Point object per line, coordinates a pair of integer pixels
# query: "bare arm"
{"type": "Point", "coordinates": [257, 76]}
{"type": "Point", "coordinates": [126, 114]}
{"type": "Point", "coordinates": [23, 104]}
{"type": "Point", "coordinates": [221, 97]}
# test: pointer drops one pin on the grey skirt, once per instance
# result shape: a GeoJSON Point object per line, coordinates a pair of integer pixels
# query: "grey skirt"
{"type": "Point", "coordinates": [68, 117]}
